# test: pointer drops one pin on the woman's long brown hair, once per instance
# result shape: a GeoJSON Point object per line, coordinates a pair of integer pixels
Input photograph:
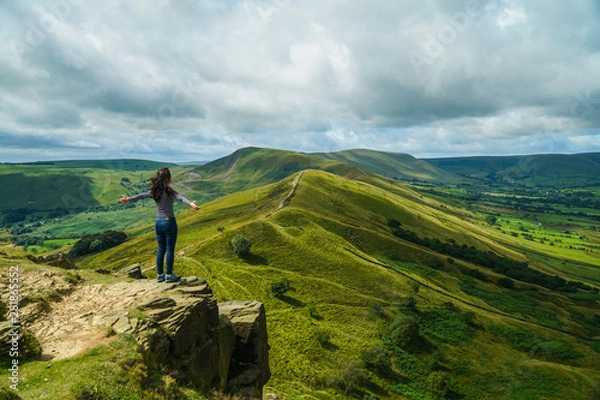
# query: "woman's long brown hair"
{"type": "Point", "coordinates": [160, 184]}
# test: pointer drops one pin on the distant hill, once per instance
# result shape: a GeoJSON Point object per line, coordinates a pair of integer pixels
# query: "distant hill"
{"type": "Point", "coordinates": [553, 170]}
{"type": "Point", "coordinates": [74, 185]}
{"type": "Point", "coordinates": [251, 167]}
{"type": "Point", "coordinates": [193, 163]}
{"type": "Point", "coordinates": [595, 157]}
{"type": "Point", "coordinates": [393, 165]}
{"type": "Point", "coordinates": [58, 187]}
{"type": "Point", "coordinates": [118, 164]}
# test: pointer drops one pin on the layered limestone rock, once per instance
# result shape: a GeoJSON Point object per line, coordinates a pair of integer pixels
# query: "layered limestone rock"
{"type": "Point", "coordinates": [178, 326]}
{"type": "Point", "coordinates": [133, 271]}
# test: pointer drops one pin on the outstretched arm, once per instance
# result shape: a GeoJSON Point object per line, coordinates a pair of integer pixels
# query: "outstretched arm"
{"type": "Point", "coordinates": [186, 201]}
{"type": "Point", "coordinates": [124, 199]}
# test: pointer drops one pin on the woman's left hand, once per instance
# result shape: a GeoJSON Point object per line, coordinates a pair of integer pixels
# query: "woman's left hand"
{"type": "Point", "coordinates": [193, 205]}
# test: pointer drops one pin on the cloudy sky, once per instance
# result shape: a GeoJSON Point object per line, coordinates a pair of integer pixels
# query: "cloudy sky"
{"type": "Point", "coordinates": [184, 80]}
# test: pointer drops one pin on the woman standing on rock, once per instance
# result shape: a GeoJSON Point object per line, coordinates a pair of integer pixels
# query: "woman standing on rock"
{"type": "Point", "coordinates": [166, 225]}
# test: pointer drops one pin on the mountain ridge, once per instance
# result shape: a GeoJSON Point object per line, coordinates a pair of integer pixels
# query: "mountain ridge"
{"type": "Point", "coordinates": [251, 167]}
{"type": "Point", "coordinates": [399, 166]}
{"type": "Point", "coordinates": [580, 169]}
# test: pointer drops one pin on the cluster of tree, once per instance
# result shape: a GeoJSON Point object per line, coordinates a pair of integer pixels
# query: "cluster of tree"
{"type": "Point", "coordinates": [537, 346]}
{"type": "Point", "coordinates": [582, 199]}
{"type": "Point", "coordinates": [58, 212]}
{"type": "Point", "coordinates": [413, 342]}
{"type": "Point", "coordinates": [18, 230]}
{"type": "Point", "coordinates": [97, 242]}
{"type": "Point", "coordinates": [14, 218]}
{"type": "Point", "coordinates": [592, 324]}
{"type": "Point", "coordinates": [409, 355]}
{"type": "Point", "coordinates": [241, 245]}
{"type": "Point", "coordinates": [280, 288]}
{"type": "Point", "coordinates": [27, 240]}
{"type": "Point", "coordinates": [501, 265]}
{"type": "Point", "coordinates": [474, 272]}
{"type": "Point", "coordinates": [19, 215]}
{"type": "Point", "coordinates": [543, 203]}
{"type": "Point", "coordinates": [530, 200]}
{"type": "Point", "coordinates": [579, 214]}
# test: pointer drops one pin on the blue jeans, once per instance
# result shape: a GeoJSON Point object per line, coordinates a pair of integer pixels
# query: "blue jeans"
{"type": "Point", "coordinates": [166, 236]}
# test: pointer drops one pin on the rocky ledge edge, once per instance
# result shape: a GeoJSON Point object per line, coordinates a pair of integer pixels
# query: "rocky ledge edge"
{"type": "Point", "coordinates": [179, 327]}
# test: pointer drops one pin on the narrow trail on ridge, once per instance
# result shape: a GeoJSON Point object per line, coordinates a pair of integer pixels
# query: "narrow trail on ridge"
{"type": "Point", "coordinates": [291, 194]}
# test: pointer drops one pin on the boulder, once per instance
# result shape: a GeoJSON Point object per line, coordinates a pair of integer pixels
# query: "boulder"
{"type": "Point", "coordinates": [158, 302]}
{"type": "Point", "coordinates": [133, 271]}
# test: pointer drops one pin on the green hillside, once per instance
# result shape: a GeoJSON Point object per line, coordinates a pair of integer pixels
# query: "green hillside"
{"type": "Point", "coordinates": [251, 167]}
{"type": "Point", "coordinates": [50, 189]}
{"type": "Point", "coordinates": [393, 165]}
{"type": "Point", "coordinates": [356, 287]}
{"type": "Point", "coordinates": [549, 170]}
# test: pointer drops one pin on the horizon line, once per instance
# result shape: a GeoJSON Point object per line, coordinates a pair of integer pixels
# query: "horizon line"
{"type": "Point", "coordinates": [291, 151]}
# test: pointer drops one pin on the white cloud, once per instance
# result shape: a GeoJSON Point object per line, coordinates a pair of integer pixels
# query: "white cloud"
{"type": "Point", "coordinates": [342, 138]}
{"type": "Point", "coordinates": [511, 16]}
{"type": "Point", "coordinates": [298, 75]}
{"type": "Point", "coordinates": [510, 123]}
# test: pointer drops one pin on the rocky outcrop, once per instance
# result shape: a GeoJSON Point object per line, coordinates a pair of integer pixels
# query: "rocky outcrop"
{"type": "Point", "coordinates": [214, 346]}
{"type": "Point", "coordinates": [133, 271]}
{"type": "Point", "coordinates": [61, 260]}
{"type": "Point", "coordinates": [179, 327]}
{"type": "Point", "coordinates": [249, 368]}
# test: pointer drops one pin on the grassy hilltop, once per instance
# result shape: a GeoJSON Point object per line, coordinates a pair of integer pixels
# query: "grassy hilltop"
{"type": "Point", "coordinates": [251, 167]}
{"type": "Point", "coordinates": [393, 291]}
